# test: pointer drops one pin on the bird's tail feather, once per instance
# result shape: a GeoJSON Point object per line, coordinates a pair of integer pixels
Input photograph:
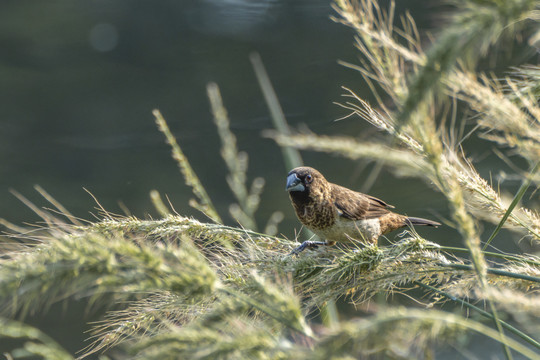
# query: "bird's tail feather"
{"type": "Point", "coordinates": [419, 221]}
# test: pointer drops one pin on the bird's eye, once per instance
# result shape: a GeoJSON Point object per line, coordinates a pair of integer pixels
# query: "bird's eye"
{"type": "Point", "coordinates": [309, 178]}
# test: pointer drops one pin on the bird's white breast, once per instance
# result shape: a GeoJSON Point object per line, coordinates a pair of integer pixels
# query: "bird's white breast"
{"type": "Point", "coordinates": [345, 230]}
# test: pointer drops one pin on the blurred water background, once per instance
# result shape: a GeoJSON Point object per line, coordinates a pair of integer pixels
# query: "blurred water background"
{"type": "Point", "coordinates": [79, 79]}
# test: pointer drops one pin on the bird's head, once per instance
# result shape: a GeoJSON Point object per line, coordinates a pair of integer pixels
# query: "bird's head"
{"type": "Point", "coordinates": [303, 179]}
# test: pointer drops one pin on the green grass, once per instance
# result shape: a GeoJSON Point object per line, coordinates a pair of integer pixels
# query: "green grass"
{"type": "Point", "coordinates": [178, 287]}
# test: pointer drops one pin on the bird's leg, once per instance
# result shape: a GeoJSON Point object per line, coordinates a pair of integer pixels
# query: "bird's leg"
{"type": "Point", "coordinates": [309, 244]}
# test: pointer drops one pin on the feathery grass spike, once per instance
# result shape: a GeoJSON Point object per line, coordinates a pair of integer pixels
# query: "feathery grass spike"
{"type": "Point", "coordinates": [191, 179]}
{"type": "Point", "coordinates": [159, 204]}
{"type": "Point", "coordinates": [237, 163]}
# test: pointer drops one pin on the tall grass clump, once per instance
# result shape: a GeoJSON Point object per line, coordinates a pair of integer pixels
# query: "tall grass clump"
{"type": "Point", "coordinates": [178, 287]}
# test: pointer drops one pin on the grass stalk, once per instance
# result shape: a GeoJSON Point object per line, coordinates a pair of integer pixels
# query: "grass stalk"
{"type": "Point", "coordinates": [290, 155]}
{"type": "Point", "coordinates": [491, 254]}
{"type": "Point", "coordinates": [482, 312]}
{"type": "Point", "coordinates": [500, 272]}
{"type": "Point", "coordinates": [499, 327]}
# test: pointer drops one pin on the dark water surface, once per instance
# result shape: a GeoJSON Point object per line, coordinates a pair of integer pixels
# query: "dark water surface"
{"type": "Point", "coordinates": [79, 80]}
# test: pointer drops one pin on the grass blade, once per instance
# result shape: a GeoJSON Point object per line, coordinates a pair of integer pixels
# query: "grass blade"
{"type": "Point", "coordinates": [515, 201]}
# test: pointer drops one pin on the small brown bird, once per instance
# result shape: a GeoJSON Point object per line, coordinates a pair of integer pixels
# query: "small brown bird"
{"type": "Point", "coordinates": [337, 214]}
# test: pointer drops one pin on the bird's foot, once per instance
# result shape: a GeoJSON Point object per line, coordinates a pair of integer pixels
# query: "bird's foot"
{"type": "Point", "coordinates": [307, 244]}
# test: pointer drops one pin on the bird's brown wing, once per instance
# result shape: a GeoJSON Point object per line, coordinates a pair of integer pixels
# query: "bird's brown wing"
{"type": "Point", "coordinates": [357, 206]}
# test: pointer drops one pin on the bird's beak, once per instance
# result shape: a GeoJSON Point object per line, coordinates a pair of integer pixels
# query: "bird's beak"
{"type": "Point", "coordinates": [294, 183]}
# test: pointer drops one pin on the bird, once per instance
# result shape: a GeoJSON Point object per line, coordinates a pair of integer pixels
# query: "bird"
{"type": "Point", "coordinates": [337, 214]}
